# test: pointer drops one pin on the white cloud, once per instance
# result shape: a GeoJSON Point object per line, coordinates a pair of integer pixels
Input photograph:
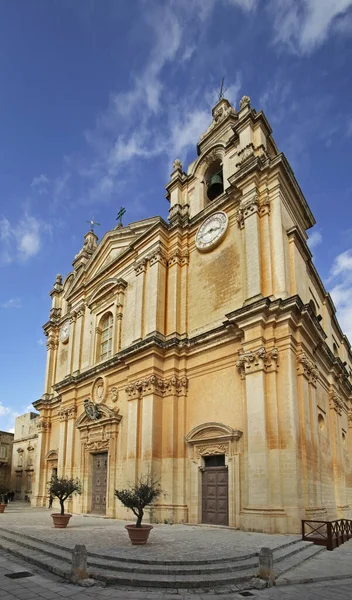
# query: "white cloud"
{"type": "Point", "coordinates": [40, 184]}
{"type": "Point", "coordinates": [41, 342]}
{"type": "Point", "coordinates": [314, 239]}
{"type": "Point", "coordinates": [7, 417]}
{"type": "Point", "coordinates": [302, 25]}
{"type": "Point", "coordinates": [12, 303]}
{"type": "Point", "coordinates": [341, 292]}
{"type": "Point", "coordinates": [21, 241]}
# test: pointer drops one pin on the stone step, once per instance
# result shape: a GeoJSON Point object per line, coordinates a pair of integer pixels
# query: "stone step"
{"type": "Point", "coordinates": [100, 561]}
{"type": "Point", "coordinates": [294, 560]}
{"type": "Point", "coordinates": [156, 575]}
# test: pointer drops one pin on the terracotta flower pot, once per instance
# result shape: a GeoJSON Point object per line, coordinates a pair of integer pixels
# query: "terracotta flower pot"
{"type": "Point", "coordinates": [2, 508]}
{"type": "Point", "coordinates": [138, 535]}
{"type": "Point", "coordinates": [60, 521]}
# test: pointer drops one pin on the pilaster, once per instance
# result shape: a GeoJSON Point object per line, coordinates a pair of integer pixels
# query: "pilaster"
{"type": "Point", "coordinates": [78, 340]}
{"type": "Point", "coordinates": [248, 220]}
{"type": "Point", "coordinates": [155, 291]}
{"type": "Point", "coordinates": [337, 409]}
{"type": "Point", "coordinates": [253, 366]}
{"type": "Point", "coordinates": [140, 267]}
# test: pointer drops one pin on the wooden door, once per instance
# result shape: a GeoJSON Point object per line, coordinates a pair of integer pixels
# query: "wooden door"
{"type": "Point", "coordinates": [99, 483]}
{"type": "Point", "coordinates": [215, 496]}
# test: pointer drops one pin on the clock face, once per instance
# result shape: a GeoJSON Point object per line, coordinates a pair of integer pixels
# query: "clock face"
{"type": "Point", "coordinates": [65, 332]}
{"type": "Point", "coordinates": [212, 231]}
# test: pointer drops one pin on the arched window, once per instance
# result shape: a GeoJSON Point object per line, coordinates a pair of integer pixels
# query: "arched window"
{"type": "Point", "coordinates": [106, 325]}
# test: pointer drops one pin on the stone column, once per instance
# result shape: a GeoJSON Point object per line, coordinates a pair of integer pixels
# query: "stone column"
{"type": "Point", "coordinates": [273, 430]}
{"type": "Point", "coordinates": [174, 292]}
{"type": "Point", "coordinates": [39, 496]}
{"type": "Point", "coordinates": [173, 446]}
{"type": "Point", "coordinates": [336, 408]}
{"type": "Point", "coordinates": [253, 364]}
{"type": "Point", "coordinates": [62, 444]}
{"type": "Point", "coordinates": [52, 346]}
{"type": "Point", "coordinates": [77, 342]}
{"type": "Point", "coordinates": [69, 362]}
{"type": "Point", "coordinates": [264, 213]}
{"type": "Point", "coordinates": [155, 292]}
{"type": "Point", "coordinates": [133, 429]}
{"type": "Point", "coordinates": [304, 369]}
{"type": "Point", "coordinates": [140, 269]}
{"type": "Point", "coordinates": [277, 249]}
{"type": "Point", "coordinates": [70, 412]}
{"type": "Point", "coordinates": [249, 221]}
{"type": "Point", "coordinates": [151, 426]}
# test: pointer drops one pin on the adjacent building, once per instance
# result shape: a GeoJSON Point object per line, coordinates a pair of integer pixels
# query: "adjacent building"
{"type": "Point", "coordinates": [6, 442]}
{"type": "Point", "coordinates": [205, 350]}
{"type": "Point", "coordinates": [24, 455]}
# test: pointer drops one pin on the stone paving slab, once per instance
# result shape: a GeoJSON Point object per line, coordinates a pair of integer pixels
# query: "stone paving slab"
{"type": "Point", "coordinates": [167, 542]}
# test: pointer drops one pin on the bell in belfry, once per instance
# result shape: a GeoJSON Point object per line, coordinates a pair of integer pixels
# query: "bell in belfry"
{"type": "Point", "coordinates": [214, 186]}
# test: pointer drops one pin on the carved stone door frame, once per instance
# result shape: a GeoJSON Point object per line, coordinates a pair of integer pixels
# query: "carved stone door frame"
{"type": "Point", "coordinates": [205, 440]}
{"type": "Point", "coordinates": [98, 435]}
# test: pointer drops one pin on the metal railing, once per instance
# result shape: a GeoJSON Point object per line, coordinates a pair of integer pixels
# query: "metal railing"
{"type": "Point", "coordinates": [327, 533]}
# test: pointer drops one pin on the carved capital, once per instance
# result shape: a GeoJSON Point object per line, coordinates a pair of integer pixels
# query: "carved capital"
{"type": "Point", "coordinates": [178, 211]}
{"type": "Point", "coordinates": [43, 426]}
{"type": "Point", "coordinates": [245, 154]}
{"type": "Point", "coordinates": [157, 256]}
{"type": "Point", "coordinates": [264, 205]}
{"type": "Point", "coordinates": [178, 257]}
{"type": "Point", "coordinates": [349, 417]}
{"type": "Point", "coordinates": [307, 368]}
{"type": "Point", "coordinates": [248, 207]}
{"type": "Point", "coordinates": [336, 403]}
{"type": "Point", "coordinates": [140, 266]}
{"type": "Point", "coordinates": [257, 360]}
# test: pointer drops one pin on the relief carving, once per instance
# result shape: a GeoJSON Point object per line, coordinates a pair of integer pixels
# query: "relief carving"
{"type": "Point", "coordinates": [98, 390]}
{"type": "Point", "coordinates": [157, 256]}
{"type": "Point", "coordinates": [114, 394]}
{"type": "Point", "coordinates": [43, 426]}
{"type": "Point", "coordinates": [256, 360]}
{"type": "Point", "coordinates": [214, 449]}
{"type": "Point", "coordinates": [154, 384]}
{"type": "Point", "coordinates": [307, 368]}
{"type": "Point", "coordinates": [97, 445]}
{"type": "Point", "coordinates": [140, 266]}
{"type": "Point", "coordinates": [336, 403]}
{"type": "Point", "coordinates": [178, 211]}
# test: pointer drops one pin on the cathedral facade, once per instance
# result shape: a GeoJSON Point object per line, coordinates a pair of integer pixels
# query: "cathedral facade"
{"type": "Point", "coordinates": [205, 351]}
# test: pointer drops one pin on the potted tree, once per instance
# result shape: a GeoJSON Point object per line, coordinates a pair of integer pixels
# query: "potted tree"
{"type": "Point", "coordinates": [63, 488]}
{"type": "Point", "coordinates": [3, 492]}
{"type": "Point", "coordinates": [136, 498]}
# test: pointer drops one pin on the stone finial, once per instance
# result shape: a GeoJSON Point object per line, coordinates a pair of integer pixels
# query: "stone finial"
{"type": "Point", "coordinates": [58, 279]}
{"type": "Point", "coordinates": [177, 165]}
{"type": "Point", "coordinates": [245, 101]}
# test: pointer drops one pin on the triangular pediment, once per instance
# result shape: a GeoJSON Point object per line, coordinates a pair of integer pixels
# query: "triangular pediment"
{"type": "Point", "coordinates": [113, 246]}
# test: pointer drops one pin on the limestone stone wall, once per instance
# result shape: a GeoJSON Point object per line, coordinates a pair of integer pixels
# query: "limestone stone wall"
{"type": "Point", "coordinates": [219, 344]}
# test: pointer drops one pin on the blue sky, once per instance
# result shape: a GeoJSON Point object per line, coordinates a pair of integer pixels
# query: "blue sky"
{"type": "Point", "coordinates": [97, 98]}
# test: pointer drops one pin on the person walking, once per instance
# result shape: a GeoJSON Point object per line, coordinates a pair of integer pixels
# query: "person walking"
{"type": "Point", "coordinates": [50, 501]}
